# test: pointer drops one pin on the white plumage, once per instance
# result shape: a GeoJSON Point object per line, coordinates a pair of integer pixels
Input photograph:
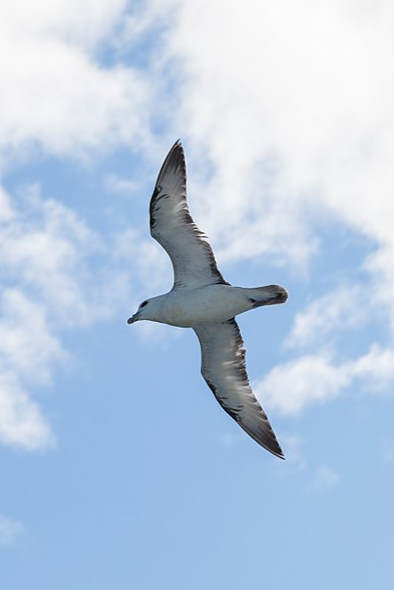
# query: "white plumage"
{"type": "Point", "coordinates": [203, 300]}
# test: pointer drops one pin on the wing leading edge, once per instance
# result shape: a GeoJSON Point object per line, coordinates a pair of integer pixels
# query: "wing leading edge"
{"type": "Point", "coordinates": [173, 227]}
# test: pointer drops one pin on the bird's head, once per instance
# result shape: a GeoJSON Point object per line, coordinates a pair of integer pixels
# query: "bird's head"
{"type": "Point", "coordinates": [145, 311]}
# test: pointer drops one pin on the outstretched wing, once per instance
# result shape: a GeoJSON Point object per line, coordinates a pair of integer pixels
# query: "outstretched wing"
{"type": "Point", "coordinates": [173, 227]}
{"type": "Point", "coordinates": [223, 368]}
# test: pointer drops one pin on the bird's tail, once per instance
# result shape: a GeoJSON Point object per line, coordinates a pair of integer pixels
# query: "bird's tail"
{"type": "Point", "coordinates": [268, 295]}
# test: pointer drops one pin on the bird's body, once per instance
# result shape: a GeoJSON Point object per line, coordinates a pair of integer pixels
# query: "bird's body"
{"type": "Point", "coordinates": [187, 308]}
{"type": "Point", "coordinates": [201, 299]}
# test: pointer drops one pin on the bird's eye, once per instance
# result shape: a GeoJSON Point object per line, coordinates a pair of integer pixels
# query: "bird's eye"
{"type": "Point", "coordinates": [143, 304]}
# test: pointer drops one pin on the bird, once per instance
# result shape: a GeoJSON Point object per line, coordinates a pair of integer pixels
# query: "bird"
{"type": "Point", "coordinates": [203, 300]}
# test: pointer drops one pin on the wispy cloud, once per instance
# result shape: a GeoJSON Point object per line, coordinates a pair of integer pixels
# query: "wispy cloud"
{"type": "Point", "coordinates": [301, 129]}
{"type": "Point", "coordinates": [22, 423]}
{"type": "Point", "coordinates": [75, 104]}
{"type": "Point", "coordinates": [116, 184]}
{"type": "Point", "coordinates": [50, 254]}
{"type": "Point", "coordinates": [10, 530]}
{"type": "Point", "coordinates": [282, 142]}
{"type": "Point", "coordinates": [325, 317]}
{"type": "Point", "coordinates": [304, 132]}
{"type": "Point", "coordinates": [310, 379]}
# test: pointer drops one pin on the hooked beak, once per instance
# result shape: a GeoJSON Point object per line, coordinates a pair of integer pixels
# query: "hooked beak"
{"type": "Point", "coordinates": [133, 319]}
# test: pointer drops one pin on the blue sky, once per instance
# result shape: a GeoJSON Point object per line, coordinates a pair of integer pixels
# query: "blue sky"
{"type": "Point", "coordinates": [119, 468]}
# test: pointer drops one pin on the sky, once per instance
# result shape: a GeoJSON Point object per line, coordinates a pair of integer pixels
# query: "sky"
{"type": "Point", "coordinates": [119, 468]}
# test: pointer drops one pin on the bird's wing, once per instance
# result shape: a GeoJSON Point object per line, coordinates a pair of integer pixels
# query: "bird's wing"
{"type": "Point", "coordinates": [173, 227]}
{"type": "Point", "coordinates": [223, 368]}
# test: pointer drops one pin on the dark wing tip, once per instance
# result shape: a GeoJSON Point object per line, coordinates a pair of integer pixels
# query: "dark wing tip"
{"type": "Point", "coordinates": [273, 446]}
{"type": "Point", "coordinates": [279, 454]}
{"type": "Point", "coordinates": [174, 161]}
{"type": "Point", "coordinates": [269, 443]}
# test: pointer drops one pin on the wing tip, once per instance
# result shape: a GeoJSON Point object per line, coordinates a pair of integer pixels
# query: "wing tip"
{"type": "Point", "coordinates": [174, 160]}
{"type": "Point", "coordinates": [271, 445]}
{"type": "Point", "coordinates": [274, 449]}
{"type": "Point", "coordinates": [176, 147]}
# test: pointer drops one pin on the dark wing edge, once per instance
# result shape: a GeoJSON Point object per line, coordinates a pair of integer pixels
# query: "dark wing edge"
{"type": "Point", "coordinates": [174, 166]}
{"type": "Point", "coordinates": [240, 403]}
{"type": "Point", "coordinates": [171, 182]}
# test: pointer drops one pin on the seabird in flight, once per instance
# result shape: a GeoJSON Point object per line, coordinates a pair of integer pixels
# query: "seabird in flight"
{"type": "Point", "coordinates": [201, 299]}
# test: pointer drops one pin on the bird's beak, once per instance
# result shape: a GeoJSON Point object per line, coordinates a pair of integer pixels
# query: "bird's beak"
{"type": "Point", "coordinates": [133, 319]}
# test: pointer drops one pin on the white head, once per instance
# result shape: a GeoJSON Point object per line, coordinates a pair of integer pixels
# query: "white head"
{"type": "Point", "coordinates": [146, 311]}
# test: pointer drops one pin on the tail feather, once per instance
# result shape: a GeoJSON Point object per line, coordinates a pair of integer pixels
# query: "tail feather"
{"type": "Point", "coordinates": [268, 295]}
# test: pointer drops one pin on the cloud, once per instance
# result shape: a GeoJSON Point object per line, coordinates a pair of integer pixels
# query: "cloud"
{"type": "Point", "coordinates": [56, 95]}
{"type": "Point", "coordinates": [290, 387]}
{"type": "Point", "coordinates": [22, 423]}
{"type": "Point", "coordinates": [285, 109]}
{"type": "Point", "coordinates": [9, 530]}
{"type": "Point", "coordinates": [116, 184]}
{"type": "Point", "coordinates": [287, 116]}
{"type": "Point", "coordinates": [341, 309]}
{"type": "Point", "coordinates": [45, 248]}
{"type": "Point", "coordinates": [27, 344]}
{"type": "Point", "coordinates": [57, 275]}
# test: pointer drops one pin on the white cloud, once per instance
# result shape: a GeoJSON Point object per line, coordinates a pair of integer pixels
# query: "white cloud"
{"type": "Point", "coordinates": [290, 386]}
{"type": "Point", "coordinates": [309, 379]}
{"type": "Point", "coordinates": [49, 253]}
{"type": "Point", "coordinates": [83, 24]}
{"type": "Point", "coordinates": [27, 345]}
{"type": "Point", "coordinates": [22, 423]}
{"type": "Point", "coordinates": [287, 114]}
{"type": "Point", "coordinates": [5, 206]}
{"type": "Point", "coordinates": [9, 530]}
{"type": "Point", "coordinates": [341, 309]}
{"type": "Point", "coordinates": [116, 184]}
{"type": "Point", "coordinates": [55, 94]}
{"type": "Point", "coordinates": [57, 97]}
{"type": "Point", "coordinates": [289, 85]}
{"type": "Point", "coordinates": [45, 247]}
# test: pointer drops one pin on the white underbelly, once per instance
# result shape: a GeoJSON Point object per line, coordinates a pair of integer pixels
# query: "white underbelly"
{"type": "Point", "coordinates": [216, 303]}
